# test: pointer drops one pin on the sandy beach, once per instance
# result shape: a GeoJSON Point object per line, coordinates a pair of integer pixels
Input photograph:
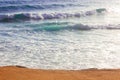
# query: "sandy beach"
{"type": "Point", "coordinates": [22, 73]}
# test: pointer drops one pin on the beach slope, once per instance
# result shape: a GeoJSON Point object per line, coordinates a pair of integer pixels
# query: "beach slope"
{"type": "Point", "coordinates": [22, 73]}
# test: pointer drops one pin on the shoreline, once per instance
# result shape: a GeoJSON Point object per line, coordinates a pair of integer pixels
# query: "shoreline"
{"type": "Point", "coordinates": [24, 73]}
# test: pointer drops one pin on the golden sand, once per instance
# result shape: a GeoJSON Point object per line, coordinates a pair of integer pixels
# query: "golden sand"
{"type": "Point", "coordinates": [21, 73]}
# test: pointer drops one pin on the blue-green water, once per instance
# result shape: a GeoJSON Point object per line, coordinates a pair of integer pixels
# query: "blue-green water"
{"type": "Point", "coordinates": [48, 34]}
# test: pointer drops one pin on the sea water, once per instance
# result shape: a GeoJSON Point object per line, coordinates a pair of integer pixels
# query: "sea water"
{"type": "Point", "coordinates": [60, 34]}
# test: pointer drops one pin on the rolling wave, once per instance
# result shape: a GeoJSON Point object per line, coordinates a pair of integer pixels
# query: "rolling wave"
{"type": "Point", "coordinates": [50, 27]}
{"type": "Point", "coordinates": [68, 26]}
{"type": "Point", "coordinates": [76, 27]}
{"type": "Point", "coordinates": [45, 16]}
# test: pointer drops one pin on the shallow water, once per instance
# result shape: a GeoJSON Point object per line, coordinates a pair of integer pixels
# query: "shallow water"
{"type": "Point", "coordinates": [52, 35]}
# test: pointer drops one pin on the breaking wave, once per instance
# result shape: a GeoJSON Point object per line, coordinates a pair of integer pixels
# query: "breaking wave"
{"type": "Point", "coordinates": [45, 16]}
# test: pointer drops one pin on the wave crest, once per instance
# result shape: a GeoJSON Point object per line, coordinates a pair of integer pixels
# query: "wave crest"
{"type": "Point", "coordinates": [44, 16]}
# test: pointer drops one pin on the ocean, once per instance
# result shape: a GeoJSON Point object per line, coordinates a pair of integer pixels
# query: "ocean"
{"type": "Point", "coordinates": [60, 34]}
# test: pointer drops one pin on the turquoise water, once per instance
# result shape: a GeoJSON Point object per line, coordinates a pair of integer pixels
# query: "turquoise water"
{"type": "Point", "coordinates": [48, 34]}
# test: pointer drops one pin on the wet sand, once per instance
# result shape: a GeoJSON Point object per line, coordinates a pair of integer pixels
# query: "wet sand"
{"type": "Point", "coordinates": [22, 73]}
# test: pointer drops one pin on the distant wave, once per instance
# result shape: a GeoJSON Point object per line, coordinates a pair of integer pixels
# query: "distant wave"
{"type": "Point", "coordinates": [44, 16]}
{"type": "Point", "coordinates": [23, 7]}
{"type": "Point", "coordinates": [19, 7]}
